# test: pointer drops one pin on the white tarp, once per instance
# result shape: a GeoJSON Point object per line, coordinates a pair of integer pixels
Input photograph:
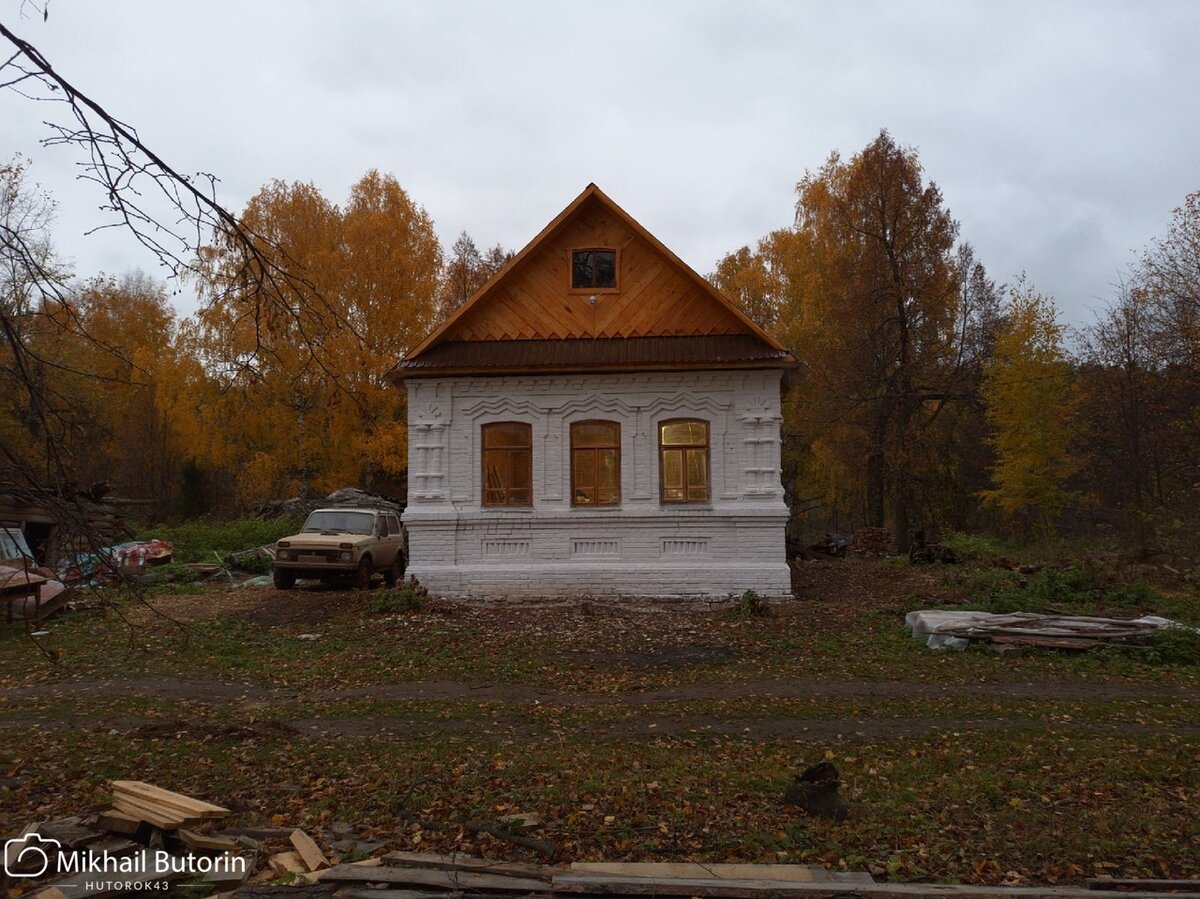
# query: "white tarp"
{"type": "Point", "coordinates": [944, 629]}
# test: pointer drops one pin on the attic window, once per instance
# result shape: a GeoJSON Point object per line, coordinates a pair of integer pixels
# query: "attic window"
{"type": "Point", "coordinates": [593, 269]}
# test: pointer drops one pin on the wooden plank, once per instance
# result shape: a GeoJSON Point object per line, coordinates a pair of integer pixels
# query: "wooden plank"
{"type": "Point", "coordinates": [70, 833]}
{"type": "Point", "coordinates": [118, 822]}
{"type": "Point", "coordinates": [151, 815]}
{"type": "Point", "coordinates": [1123, 883]}
{"type": "Point", "coordinates": [468, 863]}
{"type": "Point", "coordinates": [148, 793]}
{"type": "Point", "coordinates": [118, 846]}
{"type": "Point", "coordinates": [1047, 642]}
{"type": "Point", "coordinates": [225, 874]}
{"type": "Point", "coordinates": [287, 863]}
{"type": "Point", "coordinates": [263, 891]}
{"type": "Point", "coordinates": [471, 881]}
{"type": "Point", "coordinates": [14, 848]}
{"type": "Point", "coordinates": [203, 842]}
{"type": "Point", "coordinates": [100, 885]}
{"type": "Point", "coordinates": [310, 852]}
{"type": "Point", "coordinates": [368, 893]}
{"type": "Point", "coordinates": [738, 889]}
{"type": "Point", "coordinates": [698, 871]}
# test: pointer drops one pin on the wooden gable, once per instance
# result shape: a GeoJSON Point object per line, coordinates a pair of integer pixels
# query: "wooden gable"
{"type": "Point", "coordinates": [657, 295]}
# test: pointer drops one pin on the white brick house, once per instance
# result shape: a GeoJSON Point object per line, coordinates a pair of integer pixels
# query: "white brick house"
{"type": "Point", "coordinates": [596, 420]}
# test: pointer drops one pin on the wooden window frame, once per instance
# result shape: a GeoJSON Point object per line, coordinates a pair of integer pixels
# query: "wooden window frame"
{"type": "Point", "coordinates": [588, 291]}
{"type": "Point", "coordinates": [615, 446]}
{"type": "Point", "coordinates": [508, 451]}
{"type": "Point", "coordinates": [683, 448]}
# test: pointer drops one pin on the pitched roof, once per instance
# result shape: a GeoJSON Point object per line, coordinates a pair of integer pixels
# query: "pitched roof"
{"type": "Point", "coordinates": [530, 299]}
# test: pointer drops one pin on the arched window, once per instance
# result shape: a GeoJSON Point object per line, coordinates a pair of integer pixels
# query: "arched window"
{"type": "Point", "coordinates": [595, 463]}
{"type": "Point", "coordinates": [683, 460]}
{"type": "Point", "coordinates": [508, 464]}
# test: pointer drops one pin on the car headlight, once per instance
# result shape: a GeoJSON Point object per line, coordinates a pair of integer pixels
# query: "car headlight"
{"type": "Point", "coordinates": [345, 557]}
{"type": "Point", "coordinates": [282, 554]}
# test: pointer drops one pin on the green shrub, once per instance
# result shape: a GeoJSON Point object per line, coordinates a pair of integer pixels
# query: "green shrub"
{"type": "Point", "coordinates": [972, 547]}
{"type": "Point", "coordinates": [750, 605]}
{"type": "Point", "coordinates": [254, 565]}
{"type": "Point", "coordinates": [1135, 597]}
{"type": "Point", "coordinates": [1174, 646]}
{"type": "Point", "coordinates": [197, 540]}
{"type": "Point", "coordinates": [401, 598]}
{"type": "Point", "coordinates": [1080, 589]}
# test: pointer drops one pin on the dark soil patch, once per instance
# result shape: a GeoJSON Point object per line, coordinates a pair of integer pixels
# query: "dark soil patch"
{"type": "Point", "coordinates": [449, 690]}
{"type": "Point", "coordinates": [268, 607]}
{"type": "Point", "coordinates": [663, 658]}
{"type": "Point", "coordinates": [160, 730]}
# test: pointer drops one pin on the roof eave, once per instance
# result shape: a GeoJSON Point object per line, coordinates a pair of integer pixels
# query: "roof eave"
{"type": "Point", "coordinates": [399, 374]}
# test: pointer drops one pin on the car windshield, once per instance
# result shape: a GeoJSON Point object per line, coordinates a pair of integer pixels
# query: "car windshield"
{"type": "Point", "coordinates": [340, 522]}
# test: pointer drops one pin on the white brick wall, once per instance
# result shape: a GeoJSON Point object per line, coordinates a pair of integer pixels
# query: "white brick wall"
{"type": "Point", "coordinates": [642, 547]}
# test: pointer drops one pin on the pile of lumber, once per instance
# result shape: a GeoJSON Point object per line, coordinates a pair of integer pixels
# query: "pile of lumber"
{"type": "Point", "coordinates": [162, 808]}
{"type": "Point", "coordinates": [398, 874]}
{"type": "Point", "coordinates": [1031, 629]}
{"type": "Point", "coordinates": [873, 543]}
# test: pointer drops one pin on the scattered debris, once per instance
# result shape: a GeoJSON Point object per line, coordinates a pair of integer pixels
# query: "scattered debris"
{"type": "Point", "coordinates": [815, 791]}
{"type": "Point", "coordinates": [240, 558]}
{"type": "Point", "coordinates": [873, 542]}
{"type": "Point", "coordinates": [522, 821]}
{"type": "Point", "coordinates": [831, 546]}
{"type": "Point", "coordinates": [271, 852]}
{"type": "Point", "coordinates": [95, 569]}
{"type": "Point", "coordinates": [314, 859]}
{"type": "Point", "coordinates": [30, 593]}
{"type": "Point", "coordinates": [343, 496]}
{"type": "Point", "coordinates": [922, 552]}
{"type": "Point", "coordinates": [956, 630]}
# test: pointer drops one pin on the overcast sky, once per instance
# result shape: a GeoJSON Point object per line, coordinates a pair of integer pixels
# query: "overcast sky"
{"type": "Point", "coordinates": [1062, 134]}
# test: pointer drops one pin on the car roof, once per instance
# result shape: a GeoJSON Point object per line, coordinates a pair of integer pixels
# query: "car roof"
{"type": "Point", "coordinates": [354, 509]}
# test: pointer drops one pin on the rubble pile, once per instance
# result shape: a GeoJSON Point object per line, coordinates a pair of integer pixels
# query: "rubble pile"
{"type": "Point", "coordinates": [873, 542]}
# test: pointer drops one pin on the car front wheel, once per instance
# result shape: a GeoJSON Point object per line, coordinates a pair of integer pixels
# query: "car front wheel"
{"type": "Point", "coordinates": [283, 578]}
{"type": "Point", "coordinates": [362, 574]}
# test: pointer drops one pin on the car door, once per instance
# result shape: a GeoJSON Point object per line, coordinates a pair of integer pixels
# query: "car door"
{"type": "Point", "coordinates": [396, 532]}
{"type": "Point", "coordinates": [387, 544]}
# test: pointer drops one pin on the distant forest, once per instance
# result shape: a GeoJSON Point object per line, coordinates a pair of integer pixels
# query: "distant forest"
{"type": "Point", "coordinates": [929, 398]}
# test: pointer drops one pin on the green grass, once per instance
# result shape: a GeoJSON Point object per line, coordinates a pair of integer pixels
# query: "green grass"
{"type": "Point", "coordinates": [396, 600]}
{"type": "Point", "coordinates": [198, 540]}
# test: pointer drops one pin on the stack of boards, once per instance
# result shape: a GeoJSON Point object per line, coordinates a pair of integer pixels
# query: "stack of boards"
{"type": "Point", "coordinates": [162, 808]}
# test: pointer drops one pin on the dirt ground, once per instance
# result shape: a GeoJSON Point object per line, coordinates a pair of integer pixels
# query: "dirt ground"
{"type": "Point", "coordinates": [649, 639]}
{"type": "Point", "coordinates": [680, 722]}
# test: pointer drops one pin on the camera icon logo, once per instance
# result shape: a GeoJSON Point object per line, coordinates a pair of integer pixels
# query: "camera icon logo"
{"type": "Point", "coordinates": [30, 855]}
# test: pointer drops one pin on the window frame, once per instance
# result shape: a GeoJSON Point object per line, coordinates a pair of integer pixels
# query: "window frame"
{"type": "Point", "coordinates": [683, 449]}
{"type": "Point", "coordinates": [595, 452]}
{"type": "Point", "coordinates": [616, 288]}
{"type": "Point", "coordinates": [508, 451]}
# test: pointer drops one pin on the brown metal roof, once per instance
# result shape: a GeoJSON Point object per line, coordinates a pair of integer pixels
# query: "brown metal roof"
{"type": "Point", "coordinates": [593, 354]}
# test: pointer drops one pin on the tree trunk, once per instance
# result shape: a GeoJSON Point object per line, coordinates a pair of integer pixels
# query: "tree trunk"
{"type": "Point", "coordinates": [876, 487]}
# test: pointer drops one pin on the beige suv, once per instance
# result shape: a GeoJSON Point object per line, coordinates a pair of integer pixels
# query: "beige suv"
{"type": "Point", "coordinates": [339, 542]}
